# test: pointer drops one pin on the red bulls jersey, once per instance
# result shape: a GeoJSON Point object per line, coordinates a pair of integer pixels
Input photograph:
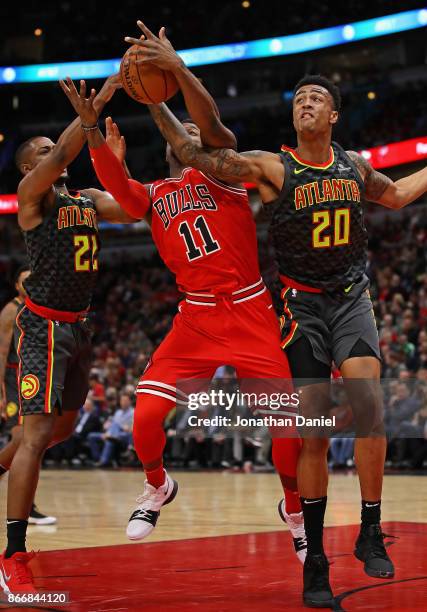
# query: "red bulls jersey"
{"type": "Point", "coordinates": [204, 232]}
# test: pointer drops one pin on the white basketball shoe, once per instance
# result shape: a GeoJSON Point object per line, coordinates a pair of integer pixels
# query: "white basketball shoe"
{"type": "Point", "coordinates": [295, 522]}
{"type": "Point", "coordinates": [144, 517]}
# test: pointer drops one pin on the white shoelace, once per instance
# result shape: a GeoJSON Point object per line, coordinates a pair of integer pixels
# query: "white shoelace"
{"type": "Point", "coordinates": [142, 513]}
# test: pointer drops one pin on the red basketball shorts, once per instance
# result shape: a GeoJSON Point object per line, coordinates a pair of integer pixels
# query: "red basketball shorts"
{"type": "Point", "coordinates": [239, 329]}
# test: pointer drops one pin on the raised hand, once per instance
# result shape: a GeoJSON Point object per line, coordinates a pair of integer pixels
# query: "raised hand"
{"type": "Point", "coordinates": [115, 140]}
{"type": "Point", "coordinates": [156, 50]}
{"type": "Point", "coordinates": [83, 106]}
{"type": "Point", "coordinates": [111, 85]}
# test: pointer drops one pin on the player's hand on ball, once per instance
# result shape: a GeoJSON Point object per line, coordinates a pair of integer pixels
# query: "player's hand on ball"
{"type": "Point", "coordinates": [155, 50]}
{"type": "Point", "coordinates": [115, 140]}
{"type": "Point", "coordinates": [82, 105]}
{"type": "Point", "coordinates": [111, 85]}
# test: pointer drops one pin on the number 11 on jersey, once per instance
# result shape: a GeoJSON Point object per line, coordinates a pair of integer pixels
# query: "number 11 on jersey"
{"type": "Point", "coordinates": [209, 244]}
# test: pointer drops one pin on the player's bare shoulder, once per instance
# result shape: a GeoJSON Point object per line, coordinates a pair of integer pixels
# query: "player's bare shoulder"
{"type": "Point", "coordinates": [375, 182]}
{"type": "Point", "coordinates": [272, 175]}
{"type": "Point", "coordinates": [360, 162]}
{"type": "Point", "coordinates": [92, 193]}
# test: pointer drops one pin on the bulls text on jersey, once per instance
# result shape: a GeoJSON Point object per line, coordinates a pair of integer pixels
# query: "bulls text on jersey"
{"type": "Point", "coordinates": [183, 200]}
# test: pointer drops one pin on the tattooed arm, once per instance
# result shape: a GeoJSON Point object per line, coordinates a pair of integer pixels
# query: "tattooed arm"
{"type": "Point", "coordinates": [225, 164]}
{"type": "Point", "coordinates": [381, 189]}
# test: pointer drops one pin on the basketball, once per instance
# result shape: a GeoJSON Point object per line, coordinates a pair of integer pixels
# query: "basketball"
{"type": "Point", "coordinates": [146, 83]}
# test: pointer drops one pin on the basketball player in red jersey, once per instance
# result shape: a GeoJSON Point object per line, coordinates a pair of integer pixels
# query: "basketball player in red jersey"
{"type": "Point", "coordinates": [317, 192]}
{"type": "Point", "coordinates": [53, 340]}
{"type": "Point", "coordinates": [206, 235]}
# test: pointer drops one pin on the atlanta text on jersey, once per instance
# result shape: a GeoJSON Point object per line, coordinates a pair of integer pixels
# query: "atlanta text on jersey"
{"type": "Point", "coordinates": [69, 216]}
{"type": "Point", "coordinates": [327, 190]}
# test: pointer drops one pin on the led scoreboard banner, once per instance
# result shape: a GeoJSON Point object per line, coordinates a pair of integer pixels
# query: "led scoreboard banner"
{"type": "Point", "coordinates": [217, 54]}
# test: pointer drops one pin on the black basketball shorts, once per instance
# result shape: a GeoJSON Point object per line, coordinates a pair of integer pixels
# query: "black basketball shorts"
{"type": "Point", "coordinates": [54, 363]}
{"type": "Point", "coordinates": [333, 323]}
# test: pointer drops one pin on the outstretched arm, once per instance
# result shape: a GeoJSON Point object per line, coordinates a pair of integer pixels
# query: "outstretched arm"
{"type": "Point", "coordinates": [127, 200]}
{"type": "Point", "coordinates": [382, 190]}
{"type": "Point", "coordinates": [39, 181]}
{"type": "Point", "coordinates": [108, 208]}
{"type": "Point", "coordinates": [225, 164]}
{"type": "Point", "coordinates": [124, 193]}
{"type": "Point", "coordinates": [200, 104]}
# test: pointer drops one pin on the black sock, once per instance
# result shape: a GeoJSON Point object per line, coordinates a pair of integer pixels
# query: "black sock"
{"type": "Point", "coordinates": [371, 512]}
{"type": "Point", "coordinates": [16, 534]}
{"type": "Point", "coordinates": [3, 470]}
{"type": "Point", "coordinates": [314, 514]}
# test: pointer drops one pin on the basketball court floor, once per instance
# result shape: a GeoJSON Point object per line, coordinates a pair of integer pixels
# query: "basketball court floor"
{"type": "Point", "coordinates": [219, 547]}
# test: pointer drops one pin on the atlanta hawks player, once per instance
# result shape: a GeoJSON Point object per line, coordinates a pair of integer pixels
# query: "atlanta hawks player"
{"type": "Point", "coordinates": [206, 235]}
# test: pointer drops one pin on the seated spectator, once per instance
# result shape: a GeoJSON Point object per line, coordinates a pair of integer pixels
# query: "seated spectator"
{"type": "Point", "coordinates": [96, 392]}
{"type": "Point", "coordinates": [112, 400]}
{"type": "Point", "coordinates": [117, 433]}
{"type": "Point", "coordinates": [87, 422]}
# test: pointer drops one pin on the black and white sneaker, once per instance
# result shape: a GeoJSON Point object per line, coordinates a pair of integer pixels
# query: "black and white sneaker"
{"type": "Point", "coordinates": [38, 518]}
{"type": "Point", "coordinates": [295, 522]}
{"type": "Point", "coordinates": [144, 518]}
{"type": "Point", "coordinates": [371, 551]}
{"type": "Point", "coordinates": [317, 590]}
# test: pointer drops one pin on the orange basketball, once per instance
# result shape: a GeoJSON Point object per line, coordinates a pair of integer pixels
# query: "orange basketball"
{"type": "Point", "coordinates": [146, 83]}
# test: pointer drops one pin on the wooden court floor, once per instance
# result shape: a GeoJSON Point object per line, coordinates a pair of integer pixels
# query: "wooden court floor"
{"type": "Point", "coordinates": [93, 507]}
{"type": "Point", "coordinates": [220, 547]}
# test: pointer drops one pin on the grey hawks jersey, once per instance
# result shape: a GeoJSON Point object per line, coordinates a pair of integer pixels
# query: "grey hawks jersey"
{"type": "Point", "coordinates": [317, 221]}
{"type": "Point", "coordinates": [63, 254]}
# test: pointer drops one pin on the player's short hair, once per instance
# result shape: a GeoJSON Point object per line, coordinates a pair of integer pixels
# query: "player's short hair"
{"type": "Point", "coordinates": [22, 150]}
{"type": "Point", "coordinates": [318, 79]}
{"type": "Point", "coordinates": [19, 271]}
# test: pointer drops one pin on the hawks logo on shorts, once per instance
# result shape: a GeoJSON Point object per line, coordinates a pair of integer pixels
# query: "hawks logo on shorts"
{"type": "Point", "coordinates": [30, 386]}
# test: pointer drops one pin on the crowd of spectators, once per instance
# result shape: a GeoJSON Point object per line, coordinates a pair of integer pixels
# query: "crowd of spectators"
{"type": "Point", "coordinates": [398, 267]}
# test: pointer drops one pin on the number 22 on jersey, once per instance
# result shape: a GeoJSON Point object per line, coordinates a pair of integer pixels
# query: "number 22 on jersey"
{"type": "Point", "coordinates": [86, 253]}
